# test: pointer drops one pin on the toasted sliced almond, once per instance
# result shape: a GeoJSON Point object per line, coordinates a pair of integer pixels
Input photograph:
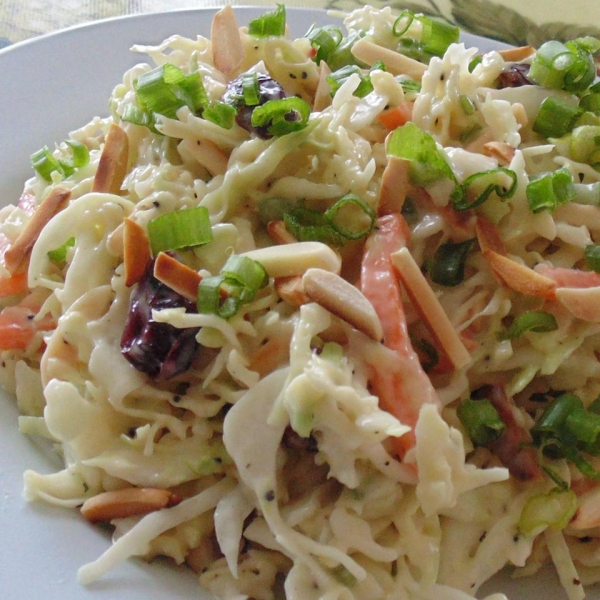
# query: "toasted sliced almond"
{"type": "Point", "coordinates": [395, 183]}
{"type": "Point", "coordinates": [429, 308]}
{"type": "Point", "coordinates": [127, 502]}
{"type": "Point", "coordinates": [520, 278]}
{"type": "Point", "coordinates": [19, 251]}
{"type": "Point", "coordinates": [488, 236]}
{"type": "Point", "coordinates": [227, 47]}
{"type": "Point", "coordinates": [291, 290]}
{"type": "Point", "coordinates": [205, 153]}
{"type": "Point", "coordinates": [279, 234]}
{"type": "Point", "coordinates": [517, 54]}
{"type": "Point", "coordinates": [394, 62]}
{"type": "Point", "coordinates": [295, 259]}
{"type": "Point", "coordinates": [501, 151]}
{"type": "Point", "coordinates": [583, 303]}
{"type": "Point", "coordinates": [113, 164]}
{"type": "Point", "coordinates": [343, 300]}
{"type": "Point", "coordinates": [323, 92]}
{"type": "Point", "coordinates": [177, 276]}
{"type": "Point", "coordinates": [136, 251]}
{"type": "Point", "coordinates": [270, 355]}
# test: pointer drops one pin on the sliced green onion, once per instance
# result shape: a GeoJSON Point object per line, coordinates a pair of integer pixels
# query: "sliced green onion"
{"type": "Point", "coordinates": [339, 77]}
{"type": "Point", "coordinates": [480, 420]}
{"type": "Point", "coordinates": [584, 425]}
{"type": "Point", "coordinates": [269, 24]}
{"type": "Point", "coordinates": [209, 295]}
{"type": "Point", "coordinates": [484, 184]}
{"type": "Point", "coordinates": [182, 229]}
{"type": "Point", "coordinates": [350, 217]}
{"type": "Point", "coordinates": [591, 102]}
{"type": "Point", "coordinates": [584, 145]}
{"type": "Point", "coordinates": [325, 40]}
{"type": "Point", "coordinates": [342, 55]}
{"type": "Point", "coordinates": [250, 89]}
{"type": "Point", "coordinates": [592, 257]}
{"type": "Point", "coordinates": [550, 190]}
{"type": "Point", "coordinates": [587, 193]}
{"type": "Point", "coordinates": [273, 209]}
{"type": "Point", "coordinates": [555, 416]}
{"type": "Point", "coordinates": [403, 22]}
{"type": "Point", "coordinates": [569, 66]}
{"type": "Point", "coordinates": [427, 165]}
{"type": "Point", "coordinates": [59, 255]}
{"type": "Point", "coordinates": [282, 116]}
{"type": "Point", "coordinates": [475, 62]}
{"type": "Point", "coordinates": [554, 509]}
{"type": "Point", "coordinates": [220, 114]}
{"type": "Point", "coordinates": [436, 36]}
{"type": "Point", "coordinates": [138, 116]}
{"type": "Point", "coordinates": [467, 105]}
{"type": "Point", "coordinates": [410, 87]}
{"type": "Point", "coordinates": [248, 273]}
{"type": "Point", "coordinates": [238, 283]}
{"type": "Point", "coordinates": [164, 90]}
{"type": "Point", "coordinates": [555, 118]}
{"type": "Point", "coordinates": [45, 163]}
{"type": "Point", "coordinates": [537, 321]}
{"type": "Point", "coordinates": [448, 264]}
{"type": "Point", "coordinates": [594, 407]}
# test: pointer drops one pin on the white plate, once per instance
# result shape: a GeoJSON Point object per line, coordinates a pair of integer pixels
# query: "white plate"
{"type": "Point", "coordinates": [52, 85]}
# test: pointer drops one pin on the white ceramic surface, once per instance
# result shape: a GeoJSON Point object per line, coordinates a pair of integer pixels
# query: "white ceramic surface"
{"type": "Point", "coordinates": [51, 85]}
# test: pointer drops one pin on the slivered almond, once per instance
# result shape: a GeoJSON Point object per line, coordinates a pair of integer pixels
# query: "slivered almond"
{"type": "Point", "coordinates": [291, 290]}
{"type": "Point", "coordinates": [501, 151]}
{"type": "Point", "coordinates": [429, 308]}
{"type": "Point", "coordinates": [19, 251]}
{"type": "Point", "coordinates": [516, 54]}
{"type": "Point", "coordinates": [488, 236]}
{"type": "Point", "coordinates": [295, 259]}
{"type": "Point", "coordinates": [227, 47]}
{"type": "Point", "coordinates": [583, 303]}
{"type": "Point", "coordinates": [136, 251]}
{"type": "Point", "coordinates": [323, 91]}
{"type": "Point", "coordinates": [113, 164]}
{"type": "Point", "coordinates": [177, 276]}
{"type": "Point", "coordinates": [270, 355]}
{"type": "Point", "coordinates": [127, 502]}
{"type": "Point", "coordinates": [394, 186]}
{"type": "Point", "coordinates": [343, 300]}
{"type": "Point", "coordinates": [279, 234]}
{"type": "Point", "coordinates": [394, 62]}
{"type": "Point", "coordinates": [520, 278]}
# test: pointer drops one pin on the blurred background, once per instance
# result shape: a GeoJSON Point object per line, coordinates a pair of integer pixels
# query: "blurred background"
{"type": "Point", "coordinates": [517, 22]}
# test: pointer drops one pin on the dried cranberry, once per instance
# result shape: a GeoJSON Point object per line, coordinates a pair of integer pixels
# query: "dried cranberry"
{"type": "Point", "coordinates": [514, 76]}
{"type": "Point", "coordinates": [158, 349]}
{"type": "Point", "coordinates": [268, 89]}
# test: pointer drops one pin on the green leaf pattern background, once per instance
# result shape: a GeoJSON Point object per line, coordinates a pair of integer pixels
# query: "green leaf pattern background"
{"type": "Point", "coordinates": [494, 19]}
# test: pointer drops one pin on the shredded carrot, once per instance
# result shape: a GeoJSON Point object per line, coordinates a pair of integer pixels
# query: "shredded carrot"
{"type": "Point", "coordinates": [401, 390]}
{"type": "Point", "coordinates": [397, 116]}
{"type": "Point", "coordinates": [18, 327]}
{"type": "Point", "coordinates": [16, 284]}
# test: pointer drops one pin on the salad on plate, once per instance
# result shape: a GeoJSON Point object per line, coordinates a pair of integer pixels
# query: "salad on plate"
{"type": "Point", "coordinates": [320, 317]}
